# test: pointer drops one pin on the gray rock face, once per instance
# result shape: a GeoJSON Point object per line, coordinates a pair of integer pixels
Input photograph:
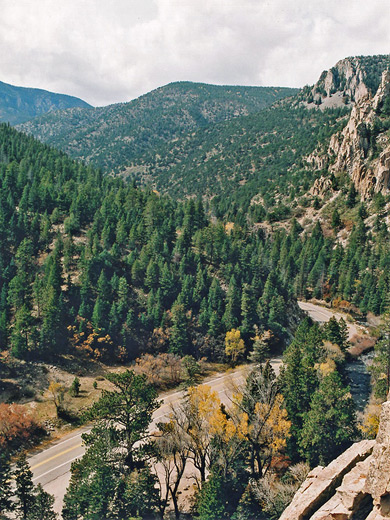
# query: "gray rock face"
{"type": "Point", "coordinates": [351, 147]}
{"type": "Point", "coordinates": [321, 483]}
{"type": "Point", "coordinates": [378, 480]}
{"type": "Point", "coordinates": [355, 486]}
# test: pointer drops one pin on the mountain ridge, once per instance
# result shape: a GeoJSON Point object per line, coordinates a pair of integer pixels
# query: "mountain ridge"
{"type": "Point", "coordinates": [19, 104]}
{"type": "Point", "coordinates": [112, 136]}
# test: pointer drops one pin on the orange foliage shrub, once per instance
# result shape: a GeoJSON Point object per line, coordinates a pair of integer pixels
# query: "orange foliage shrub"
{"type": "Point", "coordinates": [17, 425]}
{"type": "Point", "coordinates": [94, 344]}
{"type": "Point", "coordinates": [161, 370]}
{"type": "Point", "coordinates": [159, 340]}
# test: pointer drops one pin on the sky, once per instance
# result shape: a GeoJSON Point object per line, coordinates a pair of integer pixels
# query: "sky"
{"type": "Point", "coordinates": [108, 51]}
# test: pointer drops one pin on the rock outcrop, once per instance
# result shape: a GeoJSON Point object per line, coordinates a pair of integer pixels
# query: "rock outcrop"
{"type": "Point", "coordinates": [350, 80]}
{"type": "Point", "coordinates": [321, 186]}
{"type": "Point", "coordinates": [362, 148]}
{"type": "Point", "coordinates": [378, 480]}
{"type": "Point", "coordinates": [355, 486]}
{"type": "Point", "coordinates": [354, 148]}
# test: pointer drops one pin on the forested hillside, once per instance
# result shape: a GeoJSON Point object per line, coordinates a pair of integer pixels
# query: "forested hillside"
{"type": "Point", "coordinates": [249, 214]}
{"type": "Point", "coordinates": [223, 144]}
{"type": "Point", "coordinates": [19, 104]}
{"type": "Point", "coordinates": [261, 156]}
{"type": "Point", "coordinates": [113, 137]}
{"type": "Point", "coordinates": [92, 263]}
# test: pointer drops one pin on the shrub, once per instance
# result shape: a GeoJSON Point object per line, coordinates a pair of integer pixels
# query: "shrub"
{"type": "Point", "coordinates": [17, 425]}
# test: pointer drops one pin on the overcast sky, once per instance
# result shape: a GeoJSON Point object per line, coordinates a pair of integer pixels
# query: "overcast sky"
{"type": "Point", "coordinates": [106, 51]}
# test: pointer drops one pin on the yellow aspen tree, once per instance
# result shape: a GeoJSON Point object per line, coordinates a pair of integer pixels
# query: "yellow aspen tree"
{"type": "Point", "coordinates": [234, 345]}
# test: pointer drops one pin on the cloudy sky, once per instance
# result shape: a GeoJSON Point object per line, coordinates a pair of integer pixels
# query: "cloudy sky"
{"type": "Point", "coordinates": [106, 51]}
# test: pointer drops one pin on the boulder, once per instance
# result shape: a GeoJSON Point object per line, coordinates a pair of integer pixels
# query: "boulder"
{"type": "Point", "coordinates": [378, 480]}
{"type": "Point", "coordinates": [321, 483]}
{"type": "Point", "coordinates": [350, 496]}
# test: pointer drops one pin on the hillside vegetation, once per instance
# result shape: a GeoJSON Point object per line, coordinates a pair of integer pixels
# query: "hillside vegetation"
{"type": "Point", "coordinates": [261, 156]}
{"type": "Point", "coordinates": [92, 264]}
{"type": "Point", "coordinates": [113, 137]}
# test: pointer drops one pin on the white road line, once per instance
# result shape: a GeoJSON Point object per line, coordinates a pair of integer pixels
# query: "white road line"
{"type": "Point", "coordinates": [62, 442]}
{"type": "Point", "coordinates": [53, 469]}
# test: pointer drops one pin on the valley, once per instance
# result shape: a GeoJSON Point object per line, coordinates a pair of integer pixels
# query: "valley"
{"type": "Point", "coordinates": [51, 464]}
{"type": "Point", "coordinates": [145, 245]}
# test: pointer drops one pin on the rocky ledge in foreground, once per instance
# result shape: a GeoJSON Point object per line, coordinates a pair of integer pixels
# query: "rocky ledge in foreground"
{"type": "Point", "coordinates": [354, 486]}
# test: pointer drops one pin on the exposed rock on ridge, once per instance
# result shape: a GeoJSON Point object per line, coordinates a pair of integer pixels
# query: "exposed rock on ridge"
{"type": "Point", "coordinates": [350, 80]}
{"type": "Point", "coordinates": [378, 480]}
{"type": "Point", "coordinates": [353, 148]}
{"type": "Point", "coordinates": [364, 474]}
{"type": "Point", "coordinates": [362, 148]}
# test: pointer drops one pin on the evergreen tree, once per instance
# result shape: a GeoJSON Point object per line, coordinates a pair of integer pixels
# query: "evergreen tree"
{"type": "Point", "coordinates": [336, 220]}
{"type": "Point", "coordinates": [232, 311]}
{"type": "Point", "coordinates": [179, 340]}
{"type": "Point", "coordinates": [248, 310]}
{"type": "Point", "coordinates": [112, 480]}
{"type": "Point", "coordinates": [213, 500]}
{"type": "Point", "coordinates": [43, 506]}
{"type": "Point", "coordinates": [330, 425]}
{"type": "Point", "coordinates": [6, 492]}
{"type": "Point", "coordinates": [381, 362]}
{"type": "Point", "coordinates": [24, 491]}
{"type": "Point", "coordinates": [352, 195]}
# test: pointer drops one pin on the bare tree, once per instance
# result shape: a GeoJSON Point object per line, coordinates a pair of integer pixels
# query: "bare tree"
{"type": "Point", "coordinates": [172, 457]}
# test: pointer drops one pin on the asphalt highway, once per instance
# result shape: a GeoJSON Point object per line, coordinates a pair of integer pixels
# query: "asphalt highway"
{"type": "Point", "coordinates": [322, 315]}
{"type": "Point", "coordinates": [51, 464]}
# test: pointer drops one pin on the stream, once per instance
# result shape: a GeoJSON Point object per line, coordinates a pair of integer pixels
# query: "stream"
{"type": "Point", "coordinates": [359, 379]}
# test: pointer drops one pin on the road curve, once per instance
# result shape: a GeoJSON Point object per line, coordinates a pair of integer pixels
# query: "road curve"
{"type": "Point", "coordinates": [322, 315]}
{"type": "Point", "coordinates": [51, 464]}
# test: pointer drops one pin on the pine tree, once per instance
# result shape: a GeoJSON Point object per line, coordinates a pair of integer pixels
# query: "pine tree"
{"type": "Point", "coordinates": [22, 333]}
{"type": "Point", "coordinates": [213, 501]}
{"type": "Point", "coordinates": [336, 220]}
{"type": "Point", "coordinates": [24, 488]}
{"type": "Point", "coordinates": [6, 492]}
{"type": "Point", "coordinates": [232, 311]}
{"type": "Point", "coordinates": [248, 310]}
{"type": "Point", "coordinates": [179, 339]}
{"type": "Point", "coordinates": [43, 506]}
{"type": "Point", "coordinates": [330, 425]}
{"type": "Point", "coordinates": [381, 362]}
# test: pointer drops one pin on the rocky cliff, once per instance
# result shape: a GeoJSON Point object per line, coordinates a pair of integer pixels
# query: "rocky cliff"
{"type": "Point", "coordinates": [350, 80]}
{"type": "Point", "coordinates": [362, 148]}
{"type": "Point", "coordinates": [354, 486]}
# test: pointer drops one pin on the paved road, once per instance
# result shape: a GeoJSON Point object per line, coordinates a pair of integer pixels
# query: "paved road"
{"type": "Point", "coordinates": [51, 465]}
{"type": "Point", "coordinates": [322, 315]}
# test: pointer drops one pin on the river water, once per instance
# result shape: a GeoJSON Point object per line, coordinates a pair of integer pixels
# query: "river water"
{"type": "Point", "coordinates": [359, 379]}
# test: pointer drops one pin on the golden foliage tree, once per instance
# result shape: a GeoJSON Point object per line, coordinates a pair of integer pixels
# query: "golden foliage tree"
{"type": "Point", "coordinates": [234, 345]}
{"type": "Point", "coordinates": [57, 394]}
{"type": "Point", "coordinates": [262, 418]}
{"type": "Point", "coordinates": [199, 420]}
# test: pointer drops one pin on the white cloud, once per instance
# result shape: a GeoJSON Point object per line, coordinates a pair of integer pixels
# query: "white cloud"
{"type": "Point", "coordinates": [106, 51]}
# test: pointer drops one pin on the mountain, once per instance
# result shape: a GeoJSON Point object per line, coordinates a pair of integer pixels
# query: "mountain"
{"type": "Point", "coordinates": [19, 104]}
{"type": "Point", "coordinates": [252, 158]}
{"type": "Point", "coordinates": [224, 144]}
{"type": "Point", "coordinates": [113, 137]}
{"type": "Point", "coordinates": [289, 153]}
